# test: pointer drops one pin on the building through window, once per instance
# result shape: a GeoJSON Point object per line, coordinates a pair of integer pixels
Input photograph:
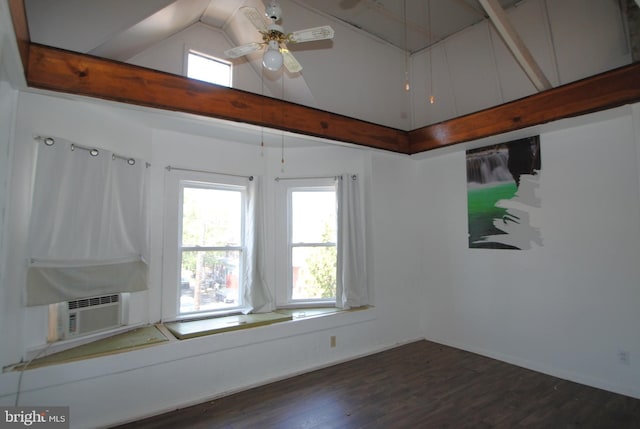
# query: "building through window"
{"type": "Point", "coordinates": [211, 247]}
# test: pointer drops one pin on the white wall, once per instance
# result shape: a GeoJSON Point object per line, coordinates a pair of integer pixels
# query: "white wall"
{"type": "Point", "coordinates": [473, 69]}
{"type": "Point", "coordinates": [127, 386]}
{"type": "Point", "coordinates": [395, 259]}
{"type": "Point", "coordinates": [8, 97]}
{"type": "Point", "coordinates": [566, 308]}
{"type": "Point", "coordinates": [97, 22]}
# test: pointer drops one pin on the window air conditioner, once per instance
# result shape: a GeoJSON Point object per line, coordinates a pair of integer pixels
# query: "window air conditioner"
{"type": "Point", "coordinates": [88, 315]}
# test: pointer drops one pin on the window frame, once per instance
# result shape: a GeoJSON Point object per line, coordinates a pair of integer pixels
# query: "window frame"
{"type": "Point", "coordinates": [284, 283]}
{"type": "Point", "coordinates": [189, 52]}
{"type": "Point", "coordinates": [172, 266]}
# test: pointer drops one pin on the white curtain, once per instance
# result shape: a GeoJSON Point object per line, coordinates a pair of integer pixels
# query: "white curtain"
{"type": "Point", "coordinates": [257, 298]}
{"type": "Point", "coordinates": [88, 229]}
{"type": "Point", "coordinates": [352, 271]}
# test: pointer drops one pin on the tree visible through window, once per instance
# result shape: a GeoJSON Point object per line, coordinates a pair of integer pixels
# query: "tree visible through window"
{"type": "Point", "coordinates": [313, 252]}
{"type": "Point", "coordinates": [211, 248]}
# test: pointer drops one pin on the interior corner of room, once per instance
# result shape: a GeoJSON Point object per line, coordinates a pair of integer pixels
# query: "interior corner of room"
{"type": "Point", "coordinates": [494, 147]}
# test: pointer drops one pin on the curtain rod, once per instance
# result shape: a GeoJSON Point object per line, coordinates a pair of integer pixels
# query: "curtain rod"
{"type": "Point", "coordinates": [50, 141]}
{"type": "Point", "coordinates": [277, 179]}
{"type": "Point", "coordinates": [190, 170]}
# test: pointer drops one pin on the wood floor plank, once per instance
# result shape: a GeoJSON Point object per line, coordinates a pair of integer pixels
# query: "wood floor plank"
{"type": "Point", "coordinates": [418, 385]}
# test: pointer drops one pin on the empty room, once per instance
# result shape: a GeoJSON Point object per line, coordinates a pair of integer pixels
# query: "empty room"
{"type": "Point", "coordinates": [320, 213]}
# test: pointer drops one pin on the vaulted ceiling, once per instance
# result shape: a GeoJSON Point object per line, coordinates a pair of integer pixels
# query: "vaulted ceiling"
{"type": "Point", "coordinates": [120, 29]}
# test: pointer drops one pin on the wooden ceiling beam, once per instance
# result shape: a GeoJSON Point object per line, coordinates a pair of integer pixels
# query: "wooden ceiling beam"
{"type": "Point", "coordinates": [68, 72]}
{"type": "Point", "coordinates": [600, 92]}
{"type": "Point", "coordinates": [73, 73]}
{"type": "Point", "coordinates": [20, 28]}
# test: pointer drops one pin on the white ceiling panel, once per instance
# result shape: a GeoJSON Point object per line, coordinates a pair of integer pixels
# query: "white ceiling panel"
{"type": "Point", "coordinates": [219, 11]}
{"type": "Point", "coordinates": [117, 28]}
{"type": "Point", "coordinates": [81, 25]}
{"type": "Point", "coordinates": [162, 24]}
{"type": "Point", "coordinates": [428, 21]}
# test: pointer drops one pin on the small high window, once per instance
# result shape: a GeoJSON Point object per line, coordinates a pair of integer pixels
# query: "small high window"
{"type": "Point", "coordinates": [208, 69]}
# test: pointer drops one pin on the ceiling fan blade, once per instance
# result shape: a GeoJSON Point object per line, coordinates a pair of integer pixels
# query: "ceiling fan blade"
{"type": "Point", "coordinates": [255, 17]}
{"type": "Point", "coordinates": [241, 50]}
{"type": "Point", "coordinates": [311, 34]}
{"type": "Point", "coordinates": [290, 61]}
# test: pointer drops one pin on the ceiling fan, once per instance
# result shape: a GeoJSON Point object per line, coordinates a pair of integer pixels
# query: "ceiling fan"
{"type": "Point", "coordinates": [275, 39]}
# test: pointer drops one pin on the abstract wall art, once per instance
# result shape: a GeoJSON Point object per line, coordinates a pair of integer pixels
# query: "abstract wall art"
{"type": "Point", "coordinates": [503, 202]}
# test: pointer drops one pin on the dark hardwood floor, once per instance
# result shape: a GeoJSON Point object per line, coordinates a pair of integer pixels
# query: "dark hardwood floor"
{"type": "Point", "coordinates": [418, 385]}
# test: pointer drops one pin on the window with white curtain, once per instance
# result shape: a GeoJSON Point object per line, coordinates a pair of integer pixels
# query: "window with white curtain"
{"type": "Point", "coordinates": [308, 270]}
{"type": "Point", "coordinates": [88, 233]}
{"type": "Point", "coordinates": [321, 235]}
{"type": "Point", "coordinates": [215, 249]}
{"type": "Point", "coordinates": [214, 245]}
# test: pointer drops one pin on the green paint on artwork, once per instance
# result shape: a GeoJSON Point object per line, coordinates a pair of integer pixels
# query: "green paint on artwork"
{"type": "Point", "coordinates": [481, 203]}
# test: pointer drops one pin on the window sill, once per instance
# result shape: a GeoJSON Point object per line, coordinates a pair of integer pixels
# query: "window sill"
{"type": "Point", "coordinates": [302, 313]}
{"type": "Point", "coordinates": [127, 341]}
{"type": "Point", "coordinates": [149, 336]}
{"type": "Point", "coordinates": [216, 325]}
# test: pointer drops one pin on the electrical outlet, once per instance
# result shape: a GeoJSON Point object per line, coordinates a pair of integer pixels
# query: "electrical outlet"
{"type": "Point", "coordinates": [624, 357]}
{"type": "Point", "coordinates": [333, 341]}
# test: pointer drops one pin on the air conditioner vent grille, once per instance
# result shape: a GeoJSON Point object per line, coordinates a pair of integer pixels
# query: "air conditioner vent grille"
{"type": "Point", "coordinates": [90, 302]}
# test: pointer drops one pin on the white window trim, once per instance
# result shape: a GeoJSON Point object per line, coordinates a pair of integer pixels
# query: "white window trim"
{"type": "Point", "coordinates": [172, 250]}
{"type": "Point", "coordinates": [283, 233]}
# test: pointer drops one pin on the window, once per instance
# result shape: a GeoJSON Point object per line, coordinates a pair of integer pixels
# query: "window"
{"type": "Point", "coordinates": [211, 247]}
{"type": "Point", "coordinates": [208, 69]}
{"type": "Point", "coordinates": [312, 239]}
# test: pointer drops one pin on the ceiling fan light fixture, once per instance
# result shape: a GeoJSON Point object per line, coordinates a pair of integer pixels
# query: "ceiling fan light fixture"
{"type": "Point", "coordinates": [275, 39]}
{"type": "Point", "coordinates": [272, 59]}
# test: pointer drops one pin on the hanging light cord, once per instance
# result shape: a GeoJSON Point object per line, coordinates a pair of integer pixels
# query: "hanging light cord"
{"type": "Point", "coordinates": [407, 86]}
{"type": "Point", "coordinates": [282, 145]}
{"type": "Point", "coordinates": [432, 98]}
{"type": "Point", "coordinates": [262, 113]}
